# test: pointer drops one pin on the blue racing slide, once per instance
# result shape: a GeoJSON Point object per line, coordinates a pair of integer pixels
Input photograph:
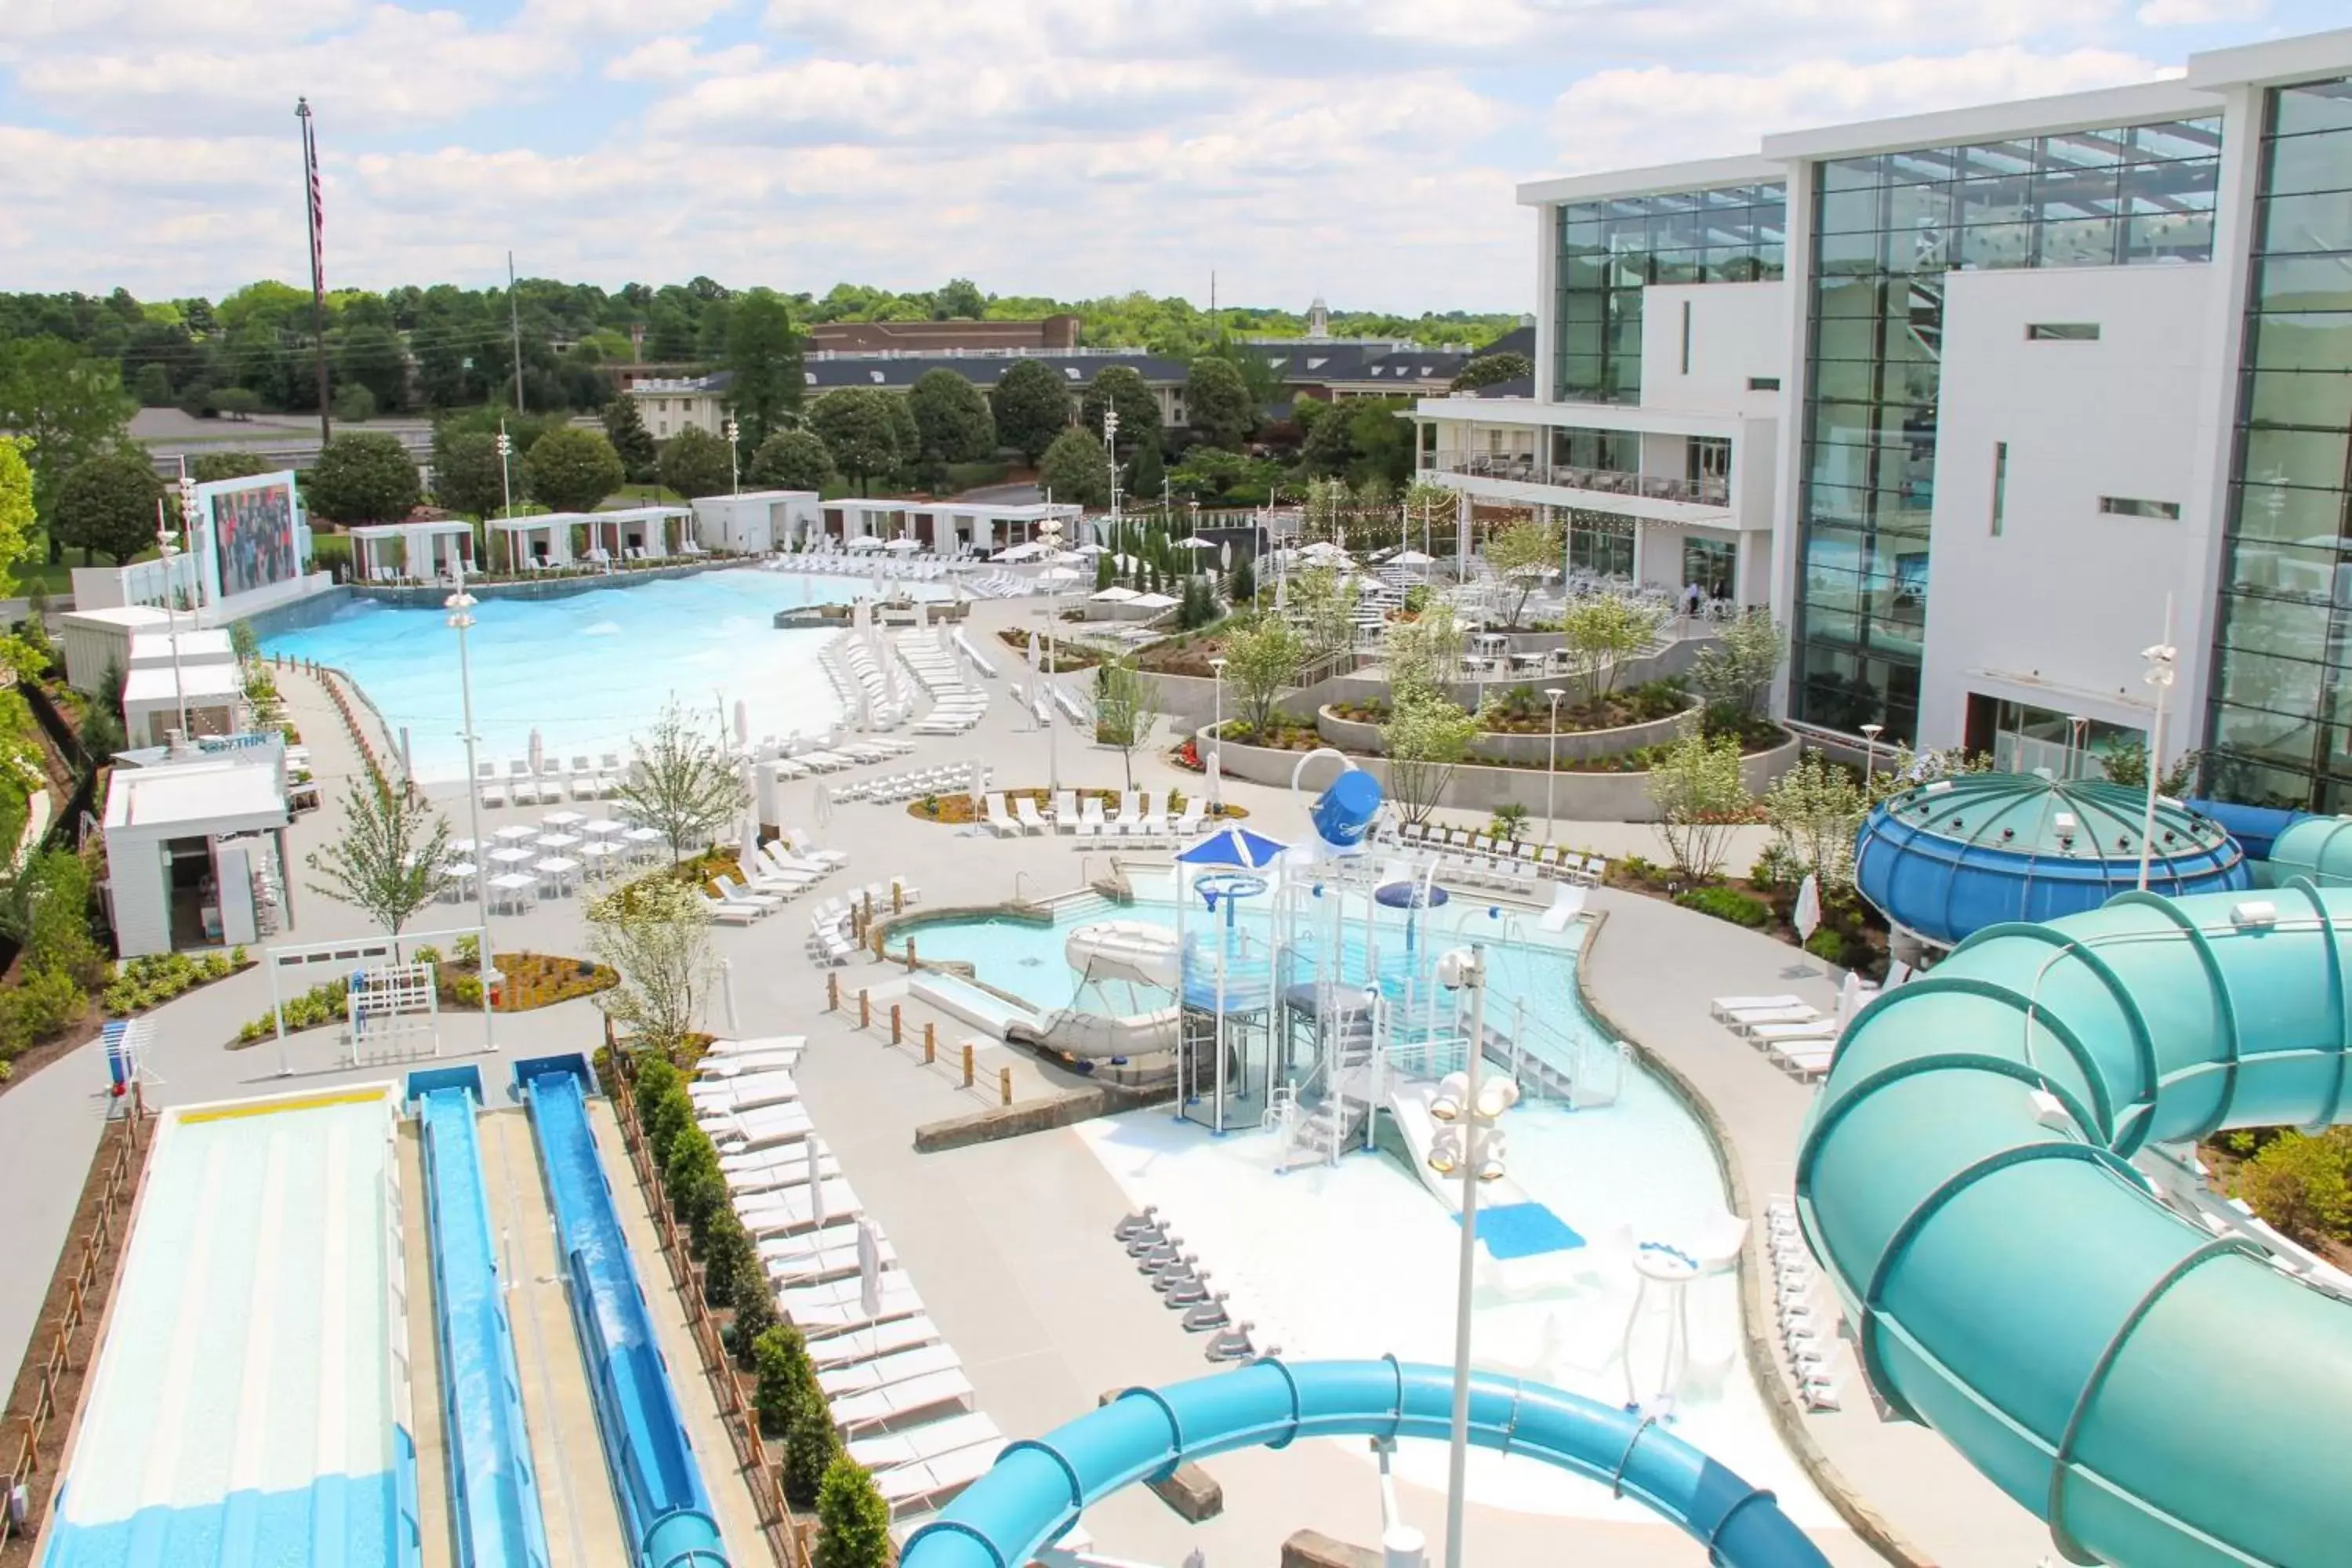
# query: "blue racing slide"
{"type": "Point", "coordinates": [2164, 1397]}
{"type": "Point", "coordinates": [1037, 1488]}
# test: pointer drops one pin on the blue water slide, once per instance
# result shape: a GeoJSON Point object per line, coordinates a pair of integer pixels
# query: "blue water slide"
{"type": "Point", "coordinates": [494, 1499]}
{"type": "Point", "coordinates": [2015, 1283]}
{"type": "Point", "coordinates": [1037, 1489]}
{"type": "Point", "coordinates": [656, 1478]}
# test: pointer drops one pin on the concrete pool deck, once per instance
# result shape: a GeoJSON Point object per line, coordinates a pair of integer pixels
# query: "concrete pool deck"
{"type": "Point", "coordinates": [1009, 1241]}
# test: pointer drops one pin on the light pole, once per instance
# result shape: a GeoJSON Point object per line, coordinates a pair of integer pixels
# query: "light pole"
{"type": "Point", "coordinates": [1467, 1141]}
{"type": "Point", "coordinates": [2158, 674]}
{"type": "Point", "coordinates": [505, 488]}
{"type": "Point", "coordinates": [1870, 733]}
{"type": "Point", "coordinates": [1110, 446]}
{"type": "Point", "coordinates": [169, 552]}
{"type": "Point", "coordinates": [1551, 758]}
{"type": "Point", "coordinates": [1217, 730]}
{"type": "Point", "coordinates": [734, 458]}
{"type": "Point", "coordinates": [460, 606]}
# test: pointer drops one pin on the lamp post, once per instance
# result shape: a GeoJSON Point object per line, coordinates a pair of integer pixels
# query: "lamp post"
{"type": "Point", "coordinates": [1468, 1141]}
{"type": "Point", "coordinates": [1217, 730]}
{"type": "Point", "coordinates": [1551, 758]}
{"type": "Point", "coordinates": [1870, 733]}
{"type": "Point", "coordinates": [169, 552]}
{"type": "Point", "coordinates": [505, 488]}
{"type": "Point", "coordinates": [2160, 675]}
{"type": "Point", "coordinates": [1110, 446]}
{"type": "Point", "coordinates": [460, 606]}
{"type": "Point", "coordinates": [734, 456]}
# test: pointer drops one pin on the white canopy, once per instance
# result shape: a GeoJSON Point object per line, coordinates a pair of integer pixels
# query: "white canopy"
{"type": "Point", "coordinates": [1091, 548]}
{"type": "Point", "coordinates": [902, 542]}
{"type": "Point", "coordinates": [1413, 558]}
{"type": "Point", "coordinates": [1029, 552]}
{"type": "Point", "coordinates": [1195, 541]}
{"type": "Point", "coordinates": [1151, 601]}
{"type": "Point", "coordinates": [1057, 577]}
{"type": "Point", "coordinates": [1115, 595]}
{"type": "Point", "coordinates": [865, 542]}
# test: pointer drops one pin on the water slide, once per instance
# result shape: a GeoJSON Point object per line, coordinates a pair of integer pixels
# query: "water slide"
{"type": "Point", "coordinates": [663, 1506]}
{"type": "Point", "coordinates": [494, 1497]}
{"type": "Point", "coordinates": [2016, 1285]}
{"type": "Point", "coordinates": [1038, 1489]}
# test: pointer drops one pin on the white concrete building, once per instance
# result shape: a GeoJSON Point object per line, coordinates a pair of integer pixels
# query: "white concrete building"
{"type": "Point", "coordinates": [1969, 396]}
{"type": "Point", "coordinates": [172, 674]}
{"type": "Point", "coordinates": [756, 522]}
{"type": "Point", "coordinates": [195, 845]}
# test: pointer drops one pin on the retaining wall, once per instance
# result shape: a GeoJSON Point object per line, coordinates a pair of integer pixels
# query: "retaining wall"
{"type": "Point", "coordinates": [430, 596]}
{"type": "Point", "coordinates": [1354, 736]}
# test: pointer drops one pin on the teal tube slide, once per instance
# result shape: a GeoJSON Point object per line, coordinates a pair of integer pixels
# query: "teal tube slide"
{"type": "Point", "coordinates": [1037, 1489]}
{"type": "Point", "coordinates": [2165, 1399]}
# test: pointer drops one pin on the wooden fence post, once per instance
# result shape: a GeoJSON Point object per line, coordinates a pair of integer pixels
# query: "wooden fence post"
{"type": "Point", "coordinates": [1004, 1084]}
{"type": "Point", "coordinates": [930, 1043]}
{"type": "Point", "coordinates": [895, 1035]}
{"type": "Point", "coordinates": [833, 993]}
{"type": "Point", "coordinates": [967, 1064]}
{"type": "Point", "coordinates": [864, 1009]}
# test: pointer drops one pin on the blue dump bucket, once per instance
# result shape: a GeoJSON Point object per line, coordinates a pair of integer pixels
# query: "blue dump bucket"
{"type": "Point", "coordinates": [1344, 813]}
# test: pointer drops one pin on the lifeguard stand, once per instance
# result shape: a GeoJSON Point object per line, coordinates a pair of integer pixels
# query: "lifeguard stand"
{"type": "Point", "coordinates": [392, 1013]}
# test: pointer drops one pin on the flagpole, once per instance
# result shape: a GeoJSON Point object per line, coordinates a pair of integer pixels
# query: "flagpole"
{"type": "Point", "coordinates": [318, 258]}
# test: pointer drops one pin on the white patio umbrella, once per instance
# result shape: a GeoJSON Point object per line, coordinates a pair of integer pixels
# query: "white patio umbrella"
{"type": "Point", "coordinates": [865, 542]}
{"type": "Point", "coordinates": [1090, 548]}
{"type": "Point", "coordinates": [1057, 577]}
{"type": "Point", "coordinates": [1195, 541]}
{"type": "Point", "coordinates": [901, 544]}
{"type": "Point", "coordinates": [869, 1268]}
{"type": "Point", "coordinates": [1848, 1000]}
{"type": "Point", "coordinates": [742, 723]}
{"type": "Point", "coordinates": [538, 750]}
{"type": "Point", "coordinates": [1412, 558]}
{"type": "Point", "coordinates": [726, 993]}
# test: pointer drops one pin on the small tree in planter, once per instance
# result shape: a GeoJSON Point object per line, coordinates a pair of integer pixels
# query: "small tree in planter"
{"type": "Point", "coordinates": [683, 786]}
{"type": "Point", "coordinates": [388, 860]}
{"type": "Point", "coordinates": [754, 1304]}
{"type": "Point", "coordinates": [1425, 739]}
{"type": "Point", "coordinates": [1260, 662]}
{"type": "Point", "coordinates": [1604, 631]}
{"type": "Point", "coordinates": [656, 933]}
{"type": "Point", "coordinates": [1701, 797]}
{"type": "Point", "coordinates": [854, 1518]}
{"type": "Point", "coordinates": [1732, 676]}
{"type": "Point", "coordinates": [1125, 705]}
{"type": "Point", "coordinates": [1521, 553]}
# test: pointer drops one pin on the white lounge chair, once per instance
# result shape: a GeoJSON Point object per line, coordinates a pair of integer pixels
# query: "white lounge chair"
{"type": "Point", "coordinates": [749, 1092]}
{"type": "Point", "coordinates": [821, 1267]}
{"type": "Point", "coordinates": [1190, 823]}
{"type": "Point", "coordinates": [1024, 811]}
{"type": "Point", "coordinates": [896, 1401]}
{"type": "Point", "coordinates": [880, 1373]}
{"type": "Point", "coordinates": [740, 893]}
{"type": "Point", "coordinates": [913, 1488]}
{"type": "Point", "coordinates": [928, 1441]}
{"type": "Point", "coordinates": [1567, 904]}
{"type": "Point", "coordinates": [819, 1314]}
{"type": "Point", "coordinates": [1065, 811]}
{"type": "Point", "coordinates": [1725, 1005]}
{"type": "Point", "coordinates": [1750, 1018]}
{"type": "Point", "coordinates": [796, 1208]}
{"type": "Point", "coordinates": [1772, 1034]}
{"type": "Point", "coordinates": [727, 913]}
{"type": "Point", "coordinates": [737, 1132]}
{"type": "Point", "coordinates": [715, 1058]}
{"type": "Point", "coordinates": [1000, 821]}
{"type": "Point", "coordinates": [867, 1344]}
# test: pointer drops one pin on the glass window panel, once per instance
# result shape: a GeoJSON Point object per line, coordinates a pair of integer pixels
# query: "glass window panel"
{"type": "Point", "coordinates": [2168, 187]}
{"type": "Point", "coordinates": [1845, 337]}
{"type": "Point", "coordinates": [1676, 230]}
{"type": "Point", "coordinates": [2171, 236]}
{"type": "Point", "coordinates": [1849, 173]}
{"type": "Point", "coordinates": [1839, 503]}
{"type": "Point", "coordinates": [2004, 200]}
{"type": "Point", "coordinates": [2265, 680]}
{"type": "Point", "coordinates": [2175, 139]}
{"type": "Point", "coordinates": [1913, 208]}
{"type": "Point", "coordinates": [2311, 458]}
{"type": "Point", "coordinates": [1854, 381]}
{"type": "Point", "coordinates": [1628, 268]}
{"type": "Point", "coordinates": [2320, 222]}
{"type": "Point", "coordinates": [1997, 245]}
{"type": "Point", "coordinates": [2285, 571]}
{"type": "Point", "coordinates": [2313, 399]}
{"type": "Point", "coordinates": [1731, 264]}
{"type": "Point", "coordinates": [1580, 334]}
{"type": "Point", "coordinates": [2061, 194]}
{"type": "Point", "coordinates": [1678, 266]}
{"type": "Point", "coordinates": [1852, 211]}
{"type": "Point", "coordinates": [1587, 234]}
{"type": "Point", "coordinates": [1846, 297]}
{"type": "Point", "coordinates": [1992, 159]}
{"type": "Point", "coordinates": [2084, 149]}
{"type": "Point", "coordinates": [1925, 166]}
{"type": "Point", "coordinates": [2273, 627]}
{"type": "Point", "coordinates": [1735, 226]}
{"type": "Point", "coordinates": [2271, 510]}
{"type": "Point", "coordinates": [1584, 271]}
{"type": "Point", "coordinates": [1925, 248]}
{"type": "Point", "coordinates": [1769, 260]}
{"type": "Point", "coordinates": [2236, 777]}
{"type": "Point", "coordinates": [2300, 164]}
{"type": "Point", "coordinates": [2321, 105]}
{"type": "Point", "coordinates": [2081, 242]}
{"type": "Point", "coordinates": [2300, 340]}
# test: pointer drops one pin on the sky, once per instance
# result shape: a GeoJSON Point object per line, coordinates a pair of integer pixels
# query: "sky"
{"type": "Point", "coordinates": [1361, 150]}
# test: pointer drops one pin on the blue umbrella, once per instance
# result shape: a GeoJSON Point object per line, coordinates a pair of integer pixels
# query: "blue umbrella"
{"type": "Point", "coordinates": [1232, 847]}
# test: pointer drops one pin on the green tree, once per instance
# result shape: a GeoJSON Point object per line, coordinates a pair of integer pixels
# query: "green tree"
{"type": "Point", "coordinates": [573, 470]}
{"type": "Point", "coordinates": [625, 428]}
{"type": "Point", "coordinates": [1121, 387]}
{"type": "Point", "coordinates": [1033, 408]}
{"type": "Point", "coordinates": [1701, 797]}
{"type": "Point", "coordinates": [2126, 763]}
{"type": "Point", "coordinates": [353, 404]}
{"type": "Point", "coordinates": [852, 1519]}
{"type": "Point", "coordinates": [467, 475]}
{"type": "Point", "coordinates": [727, 1256]}
{"type": "Point", "coordinates": [763, 353]}
{"type": "Point", "coordinates": [1380, 443]}
{"type": "Point", "coordinates": [952, 422]}
{"type": "Point", "coordinates": [1219, 403]}
{"type": "Point", "coordinates": [1146, 473]}
{"type": "Point", "coordinates": [754, 1306]}
{"type": "Point", "coordinates": [2303, 1184]}
{"type": "Point", "coordinates": [363, 478]}
{"type": "Point", "coordinates": [1602, 633]}
{"type": "Point", "coordinates": [959, 300]}
{"type": "Point", "coordinates": [62, 405]}
{"type": "Point", "coordinates": [152, 388]}
{"type": "Point", "coordinates": [1075, 469]}
{"type": "Point", "coordinates": [791, 460]}
{"type": "Point", "coordinates": [1522, 552]}
{"type": "Point", "coordinates": [1124, 703]}
{"type": "Point", "coordinates": [694, 463]}
{"type": "Point", "coordinates": [1427, 736]}
{"type": "Point", "coordinates": [108, 504]}
{"type": "Point", "coordinates": [773, 1356]}
{"type": "Point", "coordinates": [904, 438]}
{"type": "Point", "coordinates": [208, 466]}
{"type": "Point", "coordinates": [388, 859]}
{"type": "Point", "coordinates": [234, 403]}
{"type": "Point", "coordinates": [1243, 589]}
{"type": "Point", "coordinates": [1488, 370]}
{"type": "Point", "coordinates": [1733, 675]}
{"type": "Point", "coordinates": [1261, 662]}
{"type": "Point", "coordinates": [1815, 809]}
{"type": "Point", "coordinates": [691, 1178]}
{"type": "Point", "coordinates": [16, 513]}
{"type": "Point", "coordinates": [682, 786]}
{"type": "Point", "coordinates": [1322, 601]}
{"type": "Point", "coordinates": [654, 933]}
{"type": "Point", "coordinates": [860, 429]}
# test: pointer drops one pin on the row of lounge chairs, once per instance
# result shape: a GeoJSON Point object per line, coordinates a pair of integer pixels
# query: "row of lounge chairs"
{"type": "Point", "coordinates": [550, 783]}
{"type": "Point", "coordinates": [867, 691]}
{"type": "Point", "coordinates": [1795, 1035]}
{"type": "Point", "coordinates": [1563, 864]}
{"type": "Point", "coordinates": [782, 871]}
{"type": "Point", "coordinates": [1808, 1337]}
{"type": "Point", "coordinates": [1137, 821]}
{"type": "Point", "coordinates": [839, 756]}
{"type": "Point", "coordinates": [830, 926]}
{"type": "Point", "coordinates": [897, 1392]}
{"type": "Point", "coordinates": [957, 705]}
{"type": "Point", "coordinates": [890, 788]}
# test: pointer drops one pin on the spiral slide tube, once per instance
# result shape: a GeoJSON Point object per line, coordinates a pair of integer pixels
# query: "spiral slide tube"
{"type": "Point", "coordinates": [656, 1478]}
{"type": "Point", "coordinates": [2015, 1283]}
{"type": "Point", "coordinates": [494, 1499]}
{"type": "Point", "coordinates": [1037, 1489]}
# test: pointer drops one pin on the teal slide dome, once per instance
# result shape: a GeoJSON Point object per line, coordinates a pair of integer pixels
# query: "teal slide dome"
{"type": "Point", "coordinates": [2014, 1282]}
{"type": "Point", "coordinates": [1954, 855]}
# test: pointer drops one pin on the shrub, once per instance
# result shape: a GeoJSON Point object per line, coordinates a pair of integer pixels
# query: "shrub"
{"type": "Point", "coordinates": [727, 1256]}
{"type": "Point", "coordinates": [428, 954]}
{"type": "Point", "coordinates": [1509, 821]}
{"type": "Point", "coordinates": [1777, 867]}
{"type": "Point", "coordinates": [468, 949]}
{"type": "Point", "coordinates": [754, 1303]}
{"type": "Point", "coordinates": [2303, 1185]}
{"type": "Point", "coordinates": [41, 1004]}
{"type": "Point", "coordinates": [772, 1366]}
{"type": "Point", "coordinates": [1827, 945]}
{"type": "Point", "coordinates": [666, 1117]}
{"type": "Point", "coordinates": [690, 1177]}
{"type": "Point", "coordinates": [1725, 904]}
{"type": "Point", "coordinates": [852, 1519]}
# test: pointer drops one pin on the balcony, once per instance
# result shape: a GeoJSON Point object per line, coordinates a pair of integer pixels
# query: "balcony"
{"type": "Point", "coordinates": [1521, 468]}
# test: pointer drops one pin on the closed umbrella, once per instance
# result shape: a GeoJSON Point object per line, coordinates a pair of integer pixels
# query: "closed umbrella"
{"type": "Point", "coordinates": [815, 1180]}
{"type": "Point", "coordinates": [742, 723]}
{"type": "Point", "coordinates": [869, 1268]}
{"type": "Point", "coordinates": [1807, 916]}
{"type": "Point", "coordinates": [538, 752]}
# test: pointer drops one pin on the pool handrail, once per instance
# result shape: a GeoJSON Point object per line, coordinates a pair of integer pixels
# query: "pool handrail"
{"type": "Point", "coordinates": [493, 1492]}
{"type": "Point", "coordinates": [649, 1455]}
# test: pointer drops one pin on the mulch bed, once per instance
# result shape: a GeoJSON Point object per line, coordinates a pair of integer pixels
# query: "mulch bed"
{"type": "Point", "coordinates": [80, 1355]}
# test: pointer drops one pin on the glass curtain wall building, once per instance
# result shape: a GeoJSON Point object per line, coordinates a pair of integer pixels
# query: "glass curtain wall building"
{"type": "Point", "coordinates": [1610, 251]}
{"type": "Point", "coordinates": [1887, 230]}
{"type": "Point", "coordinates": [2281, 729]}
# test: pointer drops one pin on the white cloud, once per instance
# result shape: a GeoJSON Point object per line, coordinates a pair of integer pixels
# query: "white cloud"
{"type": "Point", "coordinates": [2198, 13]}
{"type": "Point", "coordinates": [677, 58]}
{"type": "Point", "coordinates": [1628, 118]}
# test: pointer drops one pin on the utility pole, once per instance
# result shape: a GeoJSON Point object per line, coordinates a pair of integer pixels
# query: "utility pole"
{"type": "Point", "coordinates": [317, 210]}
{"type": "Point", "coordinates": [514, 320]}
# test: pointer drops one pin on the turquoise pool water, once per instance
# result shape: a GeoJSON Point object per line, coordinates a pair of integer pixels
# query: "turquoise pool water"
{"type": "Point", "coordinates": [588, 672]}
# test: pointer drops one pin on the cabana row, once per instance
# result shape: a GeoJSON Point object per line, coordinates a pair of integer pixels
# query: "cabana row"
{"type": "Point", "coordinates": [560, 540]}
{"type": "Point", "coordinates": [947, 528]}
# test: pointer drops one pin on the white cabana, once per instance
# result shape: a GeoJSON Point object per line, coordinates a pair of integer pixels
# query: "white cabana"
{"type": "Point", "coordinates": [1114, 595]}
{"type": "Point", "coordinates": [639, 533]}
{"type": "Point", "coordinates": [1020, 552]}
{"type": "Point", "coordinates": [427, 550]}
{"type": "Point", "coordinates": [851, 519]}
{"type": "Point", "coordinates": [544, 542]}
